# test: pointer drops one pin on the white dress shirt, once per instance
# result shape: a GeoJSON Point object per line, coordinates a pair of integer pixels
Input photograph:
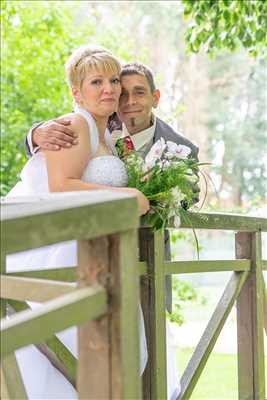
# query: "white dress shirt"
{"type": "Point", "coordinates": [140, 139]}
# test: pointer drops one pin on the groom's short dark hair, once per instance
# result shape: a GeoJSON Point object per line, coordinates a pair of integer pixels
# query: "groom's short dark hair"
{"type": "Point", "coordinates": [139, 69]}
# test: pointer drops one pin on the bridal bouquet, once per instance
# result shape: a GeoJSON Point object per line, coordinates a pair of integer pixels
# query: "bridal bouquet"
{"type": "Point", "coordinates": [166, 177]}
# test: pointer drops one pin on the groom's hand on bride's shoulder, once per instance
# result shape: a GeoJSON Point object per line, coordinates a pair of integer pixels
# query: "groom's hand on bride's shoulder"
{"type": "Point", "coordinates": [54, 134]}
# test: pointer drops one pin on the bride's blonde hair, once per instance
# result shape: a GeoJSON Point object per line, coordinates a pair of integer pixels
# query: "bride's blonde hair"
{"type": "Point", "coordinates": [86, 58]}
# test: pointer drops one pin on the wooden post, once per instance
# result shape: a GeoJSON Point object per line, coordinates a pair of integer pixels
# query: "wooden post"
{"type": "Point", "coordinates": [109, 365]}
{"type": "Point", "coordinates": [125, 349]}
{"type": "Point", "coordinates": [3, 271]}
{"type": "Point", "coordinates": [93, 336]}
{"type": "Point", "coordinates": [264, 306]}
{"type": "Point", "coordinates": [251, 379]}
{"type": "Point", "coordinates": [11, 384]}
{"type": "Point", "coordinates": [153, 304]}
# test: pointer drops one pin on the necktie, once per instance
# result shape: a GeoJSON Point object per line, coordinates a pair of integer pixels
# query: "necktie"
{"type": "Point", "coordinates": [124, 146]}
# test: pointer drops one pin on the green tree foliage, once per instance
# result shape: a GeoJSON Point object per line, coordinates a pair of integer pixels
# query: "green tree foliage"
{"type": "Point", "coordinates": [183, 293]}
{"type": "Point", "coordinates": [239, 138]}
{"type": "Point", "coordinates": [201, 96]}
{"type": "Point", "coordinates": [37, 38]}
{"type": "Point", "coordinates": [227, 24]}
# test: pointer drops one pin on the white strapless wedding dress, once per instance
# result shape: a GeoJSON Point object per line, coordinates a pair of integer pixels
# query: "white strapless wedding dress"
{"type": "Point", "coordinates": [41, 379]}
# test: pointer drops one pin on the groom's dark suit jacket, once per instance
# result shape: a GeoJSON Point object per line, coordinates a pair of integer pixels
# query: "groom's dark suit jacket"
{"type": "Point", "coordinates": [162, 130]}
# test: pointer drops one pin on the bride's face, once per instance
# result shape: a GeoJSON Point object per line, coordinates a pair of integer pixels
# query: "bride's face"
{"type": "Point", "coordinates": [99, 93]}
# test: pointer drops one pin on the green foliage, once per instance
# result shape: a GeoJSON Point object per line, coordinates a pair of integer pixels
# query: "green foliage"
{"type": "Point", "coordinates": [227, 24]}
{"type": "Point", "coordinates": [182, 292]}
{"type": "Point", "coordinates": [37, 38]}
{"type": "Point", "coordinates": [239, 136]}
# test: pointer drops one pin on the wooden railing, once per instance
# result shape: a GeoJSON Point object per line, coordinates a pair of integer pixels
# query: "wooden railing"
{"type": "Point", "coordinates": [107, 295]}
{"type": "Point", "coordinates": [245, 287]}
{"type": "Point", "coordinates": [104, 302]}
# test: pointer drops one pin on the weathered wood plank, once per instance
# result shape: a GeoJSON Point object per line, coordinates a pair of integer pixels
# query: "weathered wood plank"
{"type": "Point", "coordinates": [146, 255]}
{"type": "Point", "coordinates": [3, 268]}
{"type": "Point", "coordinates": [210, 335]}
{"type": "Point", "coordinates": [264, 305]}
{"type": "Point", "coordinates": [3, 386]}
{"type": "Point", "coordinates": [35, 326]}
{"type": "Point", "coordinates": [12, 387]}
{"type": "Point", "coordinates": [142, 267]}
{"type": "Point", "coordinates": [153, 303]}
{"type": "Point", "coordinates": [258, 312]}
{"type": "Point", "coordinates": [93, 336]}
{"type": "Point", "coordinates": [25, 206]}
{"type": "Point", "coordinates": [71, 217]}
{"type": "Point", "coordinates": [109, 346]}
{"type": "Point", "coordinates": [125, 350]}
{"type": "Point", "coordinates": [189, 267]}
{"type": "Point", "coordinates": [160, 316]}
{"type": "Point", "coordinates": [66, 274]}
{"type": "Point", "coordinates": [223, 221]}
{"type": "Point", "coordinates": [31, 289]}
{"type": "Point", "coordinates": [250, 322]}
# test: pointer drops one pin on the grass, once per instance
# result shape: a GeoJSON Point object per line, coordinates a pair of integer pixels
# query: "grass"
{"type": "Point", "coordinates": [219, 378]}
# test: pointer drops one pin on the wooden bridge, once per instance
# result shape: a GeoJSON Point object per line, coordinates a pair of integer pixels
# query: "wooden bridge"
{"type": "Point", "coordinates": [104, 301]}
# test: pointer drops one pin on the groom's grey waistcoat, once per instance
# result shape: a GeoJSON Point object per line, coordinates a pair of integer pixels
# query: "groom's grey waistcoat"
{"type": "Point", "coordinates": [162, 130]}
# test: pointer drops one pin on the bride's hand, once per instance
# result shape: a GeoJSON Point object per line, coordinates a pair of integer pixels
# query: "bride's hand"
{"type": "Point", "coordinates": [143, 203]}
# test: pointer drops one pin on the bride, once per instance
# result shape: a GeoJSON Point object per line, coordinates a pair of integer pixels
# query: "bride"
{"type": "Point", "coordinates": [94, 77]}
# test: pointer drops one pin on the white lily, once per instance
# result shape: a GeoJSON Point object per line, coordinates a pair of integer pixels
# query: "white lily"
{"type": "Point", "coordinates": [177, 150]}
{"type": "Point", "coordinates": [155, 153]}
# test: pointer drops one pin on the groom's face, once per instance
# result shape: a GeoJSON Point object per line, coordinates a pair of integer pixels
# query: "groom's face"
{"type": "Point", "coordinates": [136, 102]}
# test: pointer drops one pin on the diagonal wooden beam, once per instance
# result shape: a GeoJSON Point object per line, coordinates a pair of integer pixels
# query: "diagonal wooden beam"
{"type": "Point", "coordinates": [30, 327]}
{"type": "Point", "coordinates": [57, 353]}
{"type": "Point", "coordinates": [210, 335]}
{"type": "Point", "coordinates": [12, 387]}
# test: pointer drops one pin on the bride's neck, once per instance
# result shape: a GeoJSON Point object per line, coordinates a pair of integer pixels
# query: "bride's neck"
{"type": "Point", "coordinates": [101, 123]}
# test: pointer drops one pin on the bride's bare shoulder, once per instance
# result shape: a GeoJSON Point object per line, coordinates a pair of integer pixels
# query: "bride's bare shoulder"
{"type": "Point", "coordinates": [78, 122]}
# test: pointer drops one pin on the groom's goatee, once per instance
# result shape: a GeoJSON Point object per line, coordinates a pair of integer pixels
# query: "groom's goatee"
{"type": "Point", "coordinates": [132, 122]}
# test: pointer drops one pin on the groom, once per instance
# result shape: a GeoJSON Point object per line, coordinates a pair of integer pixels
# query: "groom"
{"type": "Point", "coordinates": [136, 119]}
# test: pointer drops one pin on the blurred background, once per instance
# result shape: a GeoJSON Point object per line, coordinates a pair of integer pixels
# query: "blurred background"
{"type": "Point", "coordinates": [219, 103]}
